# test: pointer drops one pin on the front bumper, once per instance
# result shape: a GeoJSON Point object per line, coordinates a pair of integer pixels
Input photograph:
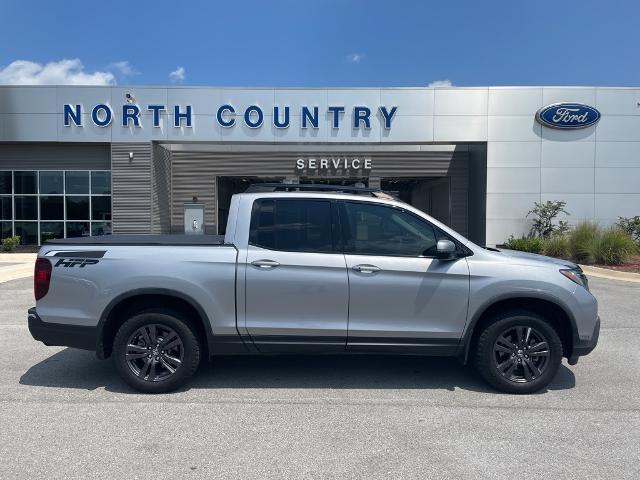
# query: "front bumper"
{"type": "Point", "coordinates": [585, 347]}
{"type": "Point", "coordinates": [59, 334]}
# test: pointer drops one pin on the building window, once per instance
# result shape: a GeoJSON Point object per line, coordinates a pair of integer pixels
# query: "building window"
{"type": "Point", "coordinates": [25, 182]}
{"type": "Point", "coordinates": [46, 204]}
{"type": "Point", "coordinates": [101, 208]}
{"type": "Point", "coordinates": [100, 228]}
{"type": "Point", "coordinates": [26, 207]}
{"type": "Point", "coordinates": [52, 207]}
{"type": "Point", "coordinates": [6, 211]}
{"type": "Point", "coordinates": [51, 183]}
{"type": "Point", "coordinates": [6, 183]}
{"type": "Point", "coordinates": [51, 230]}
{"type": "Point", "coordinates": [77, 229]}
{"type": "Point", "coordinates": [77, 182]}
{"type": "Point", "coordinates": [77, 207]}
{"type": "Point", "coordinates": [28, 232]}
{"type": "Point", "coordinates": [101, 183]}
{"type": "Point", "coordinates": [6, 230]}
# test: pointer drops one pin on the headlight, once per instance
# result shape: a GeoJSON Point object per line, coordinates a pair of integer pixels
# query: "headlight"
{"type": "Point", "coordinates": [576, 276]}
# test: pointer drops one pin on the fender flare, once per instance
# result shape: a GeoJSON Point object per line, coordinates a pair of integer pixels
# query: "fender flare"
{"type": "Point", "coordinates": [465, 341]}
{"type": "Point", "coordinates": [204, 319]}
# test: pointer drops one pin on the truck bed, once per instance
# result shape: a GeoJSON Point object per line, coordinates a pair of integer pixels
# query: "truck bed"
{"type": "Point", "coordinates": [142, 240]}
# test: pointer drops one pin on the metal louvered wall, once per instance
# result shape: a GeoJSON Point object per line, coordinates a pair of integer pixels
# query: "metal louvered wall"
{"type": "Point", "coordinates": [131, 187]}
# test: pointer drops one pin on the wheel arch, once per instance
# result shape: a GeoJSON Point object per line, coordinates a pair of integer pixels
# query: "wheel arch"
{"type": "Point", "coordinates": [550, 309]}
{"type": "Point", "coordinates": [127, 304]}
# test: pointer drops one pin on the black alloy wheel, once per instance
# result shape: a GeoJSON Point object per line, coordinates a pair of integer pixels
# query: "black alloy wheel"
{"type": "Point", "coordinates": [156, 351]}
{"type": "Point", "coordinates": [518, 351]}
{"type": "Point", "coordinates": [521, 354]}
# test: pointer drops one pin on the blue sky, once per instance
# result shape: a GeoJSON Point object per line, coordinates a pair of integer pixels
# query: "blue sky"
{"type": "Point", "coordinates": [320, 43]}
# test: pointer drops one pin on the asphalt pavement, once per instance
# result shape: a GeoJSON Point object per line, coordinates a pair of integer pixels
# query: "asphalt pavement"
{"type": "Point", "coordinates": [65, 414]}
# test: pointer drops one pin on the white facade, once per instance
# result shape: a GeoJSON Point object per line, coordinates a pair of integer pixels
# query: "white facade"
{"type": "Point", "coordinates": [596, 170]}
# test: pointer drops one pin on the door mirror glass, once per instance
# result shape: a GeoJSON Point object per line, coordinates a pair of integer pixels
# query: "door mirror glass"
{"type": "Point", "coordinates": [445, 250]}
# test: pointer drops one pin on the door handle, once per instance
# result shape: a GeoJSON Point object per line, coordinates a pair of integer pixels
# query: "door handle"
{"type": "Point", "coordinates": [365, 268]}
{"type": "Point", "coordinates": [265, 263]}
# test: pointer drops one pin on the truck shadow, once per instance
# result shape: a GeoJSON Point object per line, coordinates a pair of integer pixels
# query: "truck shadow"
{"type": "Point", "coordinates": [78, 369]}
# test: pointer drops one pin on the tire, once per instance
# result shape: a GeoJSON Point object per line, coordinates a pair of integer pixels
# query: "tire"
{"type": "Point", "coordinates": [519, 352]}
{"type": "Point", "coordinates": [156, 351]}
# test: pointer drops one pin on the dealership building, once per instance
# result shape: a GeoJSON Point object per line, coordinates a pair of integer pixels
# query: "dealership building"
{"type": "Point", "coordinates": [78, 161]}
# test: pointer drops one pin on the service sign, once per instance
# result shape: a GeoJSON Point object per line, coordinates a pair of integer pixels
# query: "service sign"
{"type": "Point", "coordinates": [568, 116]}
{"type": "Point", "coordinates": [333, 163]}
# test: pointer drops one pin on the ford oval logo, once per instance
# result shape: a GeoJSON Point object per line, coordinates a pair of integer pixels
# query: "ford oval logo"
{"type": "Point", "coordinates": [568, 115]}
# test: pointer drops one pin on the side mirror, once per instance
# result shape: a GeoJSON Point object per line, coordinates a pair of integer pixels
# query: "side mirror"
{"type": "Point", "coordinates": [445, 250]}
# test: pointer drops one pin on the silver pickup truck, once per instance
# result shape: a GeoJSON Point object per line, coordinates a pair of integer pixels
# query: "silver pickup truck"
{"type": "Point", "coordinates": [307, 270]}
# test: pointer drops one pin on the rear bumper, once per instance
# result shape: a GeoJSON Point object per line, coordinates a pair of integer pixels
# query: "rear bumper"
{"type": "Point", "coordinates": [58, 334]}
{"type": "Point", "coordinates": [585, 347]}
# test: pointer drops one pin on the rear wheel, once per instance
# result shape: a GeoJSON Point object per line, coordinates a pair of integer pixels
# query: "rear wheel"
{"type": "Point", "coordinates": [520, 352]}
{"type": "Point", "coordinates": [156, 351]}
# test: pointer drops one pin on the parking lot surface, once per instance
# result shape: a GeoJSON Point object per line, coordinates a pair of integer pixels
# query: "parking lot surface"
{"type": "Point", "coordinates": [65, 414]}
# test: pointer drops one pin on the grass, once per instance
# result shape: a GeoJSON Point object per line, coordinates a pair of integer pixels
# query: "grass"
{"type": "Point", "coordinates": [582, 241]}
{"type": "Point", "coordinates": [613, 247]}
{"type": "Point", "coordinates": [585, 243]}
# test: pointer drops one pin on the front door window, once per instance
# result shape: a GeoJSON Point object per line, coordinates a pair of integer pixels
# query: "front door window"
{"type": "Point", "coordinates": [381, 230]}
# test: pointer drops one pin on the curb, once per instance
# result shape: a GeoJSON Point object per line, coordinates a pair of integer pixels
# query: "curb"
{"type": "Point", "coordinates": [610, 274]}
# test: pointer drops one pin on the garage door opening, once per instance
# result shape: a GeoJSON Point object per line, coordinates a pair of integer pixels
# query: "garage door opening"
{"type": "Point", "coordinates": [431, 195]}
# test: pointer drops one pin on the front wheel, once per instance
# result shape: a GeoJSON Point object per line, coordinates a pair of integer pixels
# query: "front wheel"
{"type": "Point", "coordinates": [520, 352]}
{"type": "Point", "coordinates": [156, 351]}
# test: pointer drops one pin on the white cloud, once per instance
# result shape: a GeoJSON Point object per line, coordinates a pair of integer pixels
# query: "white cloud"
{"type": "Point", "coordinates": [355, 57]}
{"type": "Point", "coordinates": [178, 75]}
{"type": "Point", "coordinates": [63, 72]}
{"type": "Point", "coordinates": [124, 68]}
{"type": "Point", "coordinates": [440, 83]}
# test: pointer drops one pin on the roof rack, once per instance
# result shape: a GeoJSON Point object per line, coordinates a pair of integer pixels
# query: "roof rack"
{"type": "Point", "coordinates": [309, 187]}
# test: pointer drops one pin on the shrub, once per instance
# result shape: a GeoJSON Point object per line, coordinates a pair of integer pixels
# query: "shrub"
{"type": "Point", "coordinates": [582, 241]}
{"type": "Point", "coordinates": [556, 246]}
{"type": "Point", "coordinates": [631, 225]}
{"type": "Point", "coordinates": [585, 243]}
{"type": "Point", "coordinates": [10, 243]}
{"type": "Point", "coordinates": [525, 244]}
{"type": "Point", "coordinates": [613, 247]}
{"type": "Point", "coordinates": [543, 216]}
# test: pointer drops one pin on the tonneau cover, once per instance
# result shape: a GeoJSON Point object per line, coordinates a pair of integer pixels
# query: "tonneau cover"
{"type": "Point", "coordinates": [185, 240]}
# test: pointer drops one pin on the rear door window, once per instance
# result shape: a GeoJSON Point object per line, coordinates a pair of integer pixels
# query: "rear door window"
{"type": "Point", "coordinates": [292, 225]}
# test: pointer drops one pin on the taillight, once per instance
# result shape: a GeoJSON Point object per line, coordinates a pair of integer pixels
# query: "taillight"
{"type": "Point", "coordinates": [41, 278]}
